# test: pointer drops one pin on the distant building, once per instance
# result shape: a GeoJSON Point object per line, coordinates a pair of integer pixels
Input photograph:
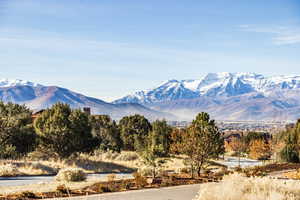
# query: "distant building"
{"type": "Point", "coordinates": [87, 110]}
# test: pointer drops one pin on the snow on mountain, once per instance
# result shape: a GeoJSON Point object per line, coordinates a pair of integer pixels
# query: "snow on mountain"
{"type": "Point", "coordinates": [226, 96]}
{"type": "Point", "coordinates": [37, 96]}
{"type": "Point", "coordinates": [213, 85]}
{"type": "Point", "coordinates": [17, 82]}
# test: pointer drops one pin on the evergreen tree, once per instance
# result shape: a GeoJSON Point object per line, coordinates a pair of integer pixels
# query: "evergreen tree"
{"type": "Point", "coordinates": [290, 152]}
{"type": "Point", "coordinates": [106, 131]}
{"type": "Point", "coordinates": [134, 132]}
{"type": "Point", "coordinates": [64, 131]}
{"type": "Point", "coordinates": [17, 136]}
{"type": "Point", "coordinates": [159, 137]}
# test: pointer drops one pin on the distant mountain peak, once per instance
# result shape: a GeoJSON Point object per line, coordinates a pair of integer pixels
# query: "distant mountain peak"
{"type": "Point", "coordinates": [213, 84]}
{"type": "Point", "coordinates": [17, 82]}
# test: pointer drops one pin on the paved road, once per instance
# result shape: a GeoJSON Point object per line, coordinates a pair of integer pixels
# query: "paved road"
{"type": "Point", "coordinates": [28, 180]}
{"type": "Point", "coordinates": [186, 192]}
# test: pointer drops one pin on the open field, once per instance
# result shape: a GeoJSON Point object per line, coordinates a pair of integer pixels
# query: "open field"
{"type": "Point", "coordinates": [124, 162]}
{"type": "Point", "coordinates": [104, 163]}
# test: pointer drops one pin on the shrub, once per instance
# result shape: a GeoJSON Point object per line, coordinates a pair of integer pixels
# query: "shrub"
{"type": "Point", "coordinates": [184, 170]}
{"type": "Point", "coordinates": [103, 188]}
{"type": "Point", "coordinates": [289, 154]}
{"type": "Point", "coordinates": [71, 175]}
{"type": "Point", "coordinates": [140, 181]}
{"type": "Point", "coordinates": [9, 170]}
{"type": "Point", "coordinates": [125, 185]}
{"type": "Point", "coordinates": [145, 171]}
{"type": "Point", "coordinates": [8, 151]}
{"type": "Point", "coordinates": [238, 169]}
{"type": "Point", "coordinates": [27, 195]}
{"type": "Point", "coordinates": [223, 171]}
{"type": "Point", "coordinates": [108, 187]}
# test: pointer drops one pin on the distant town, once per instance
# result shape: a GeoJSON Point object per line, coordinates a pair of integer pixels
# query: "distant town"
{"type": "Point", "coordinates": [242, 126]}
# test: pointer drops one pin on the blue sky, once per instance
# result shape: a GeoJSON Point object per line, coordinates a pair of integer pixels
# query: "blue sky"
{"type": "Point", "coordinates": [109, 48]}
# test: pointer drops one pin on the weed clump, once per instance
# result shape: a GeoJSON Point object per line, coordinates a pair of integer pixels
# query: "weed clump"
{"type": "Point", "coordinates": [71, 175]}
{"type": "Point", "coordinates": [27, 195]}
{"type": "Point", "coordinates": [140, 181]}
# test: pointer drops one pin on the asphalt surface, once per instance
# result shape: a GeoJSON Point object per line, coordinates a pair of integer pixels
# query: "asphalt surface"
{"type": "Point", "coordinates": [186, 192]}
{"type": "Point", "coordinates": [28, 180]}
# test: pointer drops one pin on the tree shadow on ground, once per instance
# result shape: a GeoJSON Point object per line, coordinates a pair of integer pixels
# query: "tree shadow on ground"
{"type": "Point", "coordinates": [102, 167]}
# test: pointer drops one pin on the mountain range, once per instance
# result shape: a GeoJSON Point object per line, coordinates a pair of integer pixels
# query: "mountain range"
{"type": "Point", "coordinates": [37, 96]}
{"type": "Point", "coordinates": [226, 96]}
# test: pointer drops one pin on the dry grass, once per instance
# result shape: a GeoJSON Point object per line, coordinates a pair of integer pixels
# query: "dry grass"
{"type": "Point", "coordinates": [98, 162]}
{"type": "Point", "coordinates": [295, 174]}
{"type": "Point", "coordinates": [238, 187]}
{"type": "Point", "coordinates": [101, 163]}
{"type": "Point", "coordinates": [7, 170]}
{"type": "Point", "coordinates": [129, 160]}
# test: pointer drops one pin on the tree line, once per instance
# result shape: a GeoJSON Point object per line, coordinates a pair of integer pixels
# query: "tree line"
{"type": "Point", "coordinates": [287, 143]}
{"type": "Point", "coordinates": [62, 131]}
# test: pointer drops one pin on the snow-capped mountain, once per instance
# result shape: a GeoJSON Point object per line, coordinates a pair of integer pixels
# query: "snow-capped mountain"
{"type": "Point", "coordinates": [37, 96]}
{"type": "Point", "coordinates": [234, 96]}
{"type": "Point", "coordinates": [214, 85]}
{"type": "Point", "coordinates": [170, 90]}
{"type": "Point", "coordinates": [17, 82]}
